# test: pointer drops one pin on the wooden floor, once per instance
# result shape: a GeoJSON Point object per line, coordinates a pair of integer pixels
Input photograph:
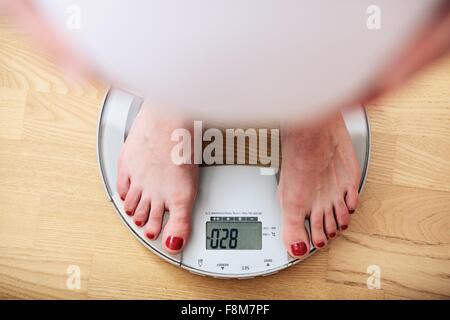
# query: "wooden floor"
{"type": "Point", "coordinates": [54, 212]}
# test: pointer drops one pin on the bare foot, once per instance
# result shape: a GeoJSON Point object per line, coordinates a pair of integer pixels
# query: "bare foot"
{"type": "Point", "coordinates": [319, 180]}
{"type": "Point", "coordinates": [149, 182]}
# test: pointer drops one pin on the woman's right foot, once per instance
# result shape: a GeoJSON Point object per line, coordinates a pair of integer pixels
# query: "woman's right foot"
{"type": "Point", "coordinates": [150, 183]}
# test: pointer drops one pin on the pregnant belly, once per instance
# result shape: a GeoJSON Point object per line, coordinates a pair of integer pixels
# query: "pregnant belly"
{"type": "Point", "coordinates": [238, 59]}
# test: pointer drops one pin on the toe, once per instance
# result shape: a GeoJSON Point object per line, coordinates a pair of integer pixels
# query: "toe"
{"type": "Point", "coordinates": [341, 213]}
{"type": "Point", "coordinates": [317, 224]}
{"type": "Point", "coordinates": [132, 200]}
{"type": "Point", "coordinates": [123, 183]}
{"type": "Point", "coordinates": [142, 210]}
{"type": "Point", "coordinates": [154, 223]}
{"type": "Point", "coordinates": [351, 199]}
{"type": "Point", "coordinates": [330, 223]}
{"type": "Point", "coordinates": [177, 229]}
{"type": "Point", "coordinates": [295, 236]}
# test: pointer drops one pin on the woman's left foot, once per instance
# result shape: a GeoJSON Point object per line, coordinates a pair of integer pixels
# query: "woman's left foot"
{"type": "Point", "coordinates": [319, 180]}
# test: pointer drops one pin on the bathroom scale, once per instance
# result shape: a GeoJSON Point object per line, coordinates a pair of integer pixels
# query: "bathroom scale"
{"type": "Point", "coordinates": [236, 220]}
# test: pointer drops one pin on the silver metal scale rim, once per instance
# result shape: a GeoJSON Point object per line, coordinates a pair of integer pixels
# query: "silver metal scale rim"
{"type": "Point", "coordinates": [364, 173]}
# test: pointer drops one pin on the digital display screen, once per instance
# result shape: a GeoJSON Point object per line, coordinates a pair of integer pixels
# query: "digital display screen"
{"type": "Point", "coordinates": [222, 235]}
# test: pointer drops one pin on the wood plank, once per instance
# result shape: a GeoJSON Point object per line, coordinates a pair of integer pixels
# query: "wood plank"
{"type": "Point", "coordinates": [19, 213]}
{"type": "Point", "coordinates": [50, 169]}
{"type": "Point", "coordinates": [61, 119]}
{"type": "Point", "coordinates": [12, 110]}
{"type": "Point", "coordinates": [35, 273]}
{"type": "Point", "coordinates": [417, 215]}
{"type": "Point", "coordinates": [408, 269]}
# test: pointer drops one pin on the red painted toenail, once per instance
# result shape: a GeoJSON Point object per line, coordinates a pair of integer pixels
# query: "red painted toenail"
{"type": "Point", "coordinates": [174, 243]}
{"type": "Point", "coordinates": [150, 236]}
{"type": "Point", "coordinates": [299, 249]}
{"type": "Point", "coordinates": [344, 227]}
{"type": "Point", "coordinates": [351, 211]}
{"type": "Point", "coordinates": [332, 235]}
{"type": "Point", "coordinates": [138, 223]}
{"type": "Point", "coordinates": [129, 213]}
{"type": "Point", "coordinates": [320, 244]}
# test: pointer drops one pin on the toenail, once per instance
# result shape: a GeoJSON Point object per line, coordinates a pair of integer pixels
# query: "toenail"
{"type": "Point", "coordinates": [174, 243]}
{"type": "Point", "coordinates": [129, 213]}
{"type": "Point", "coordinates": [138, 223]}
{"type": "Point", "coordinates": [332, 235]}
{"type": "Point", "coordinates": [299, 249]}
{"type": "Point", "coordinates": [321, 244]}
{"type": "Point", "coordinates": [150, 236]}
{"type": "Point", "coordinates": [351, 211]}
{"type": "Point", "coordinates": [344, 227]}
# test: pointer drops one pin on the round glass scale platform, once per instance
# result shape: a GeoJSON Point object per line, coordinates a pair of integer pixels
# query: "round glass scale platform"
{"type": "Point", "coordinates": [236, 220]}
